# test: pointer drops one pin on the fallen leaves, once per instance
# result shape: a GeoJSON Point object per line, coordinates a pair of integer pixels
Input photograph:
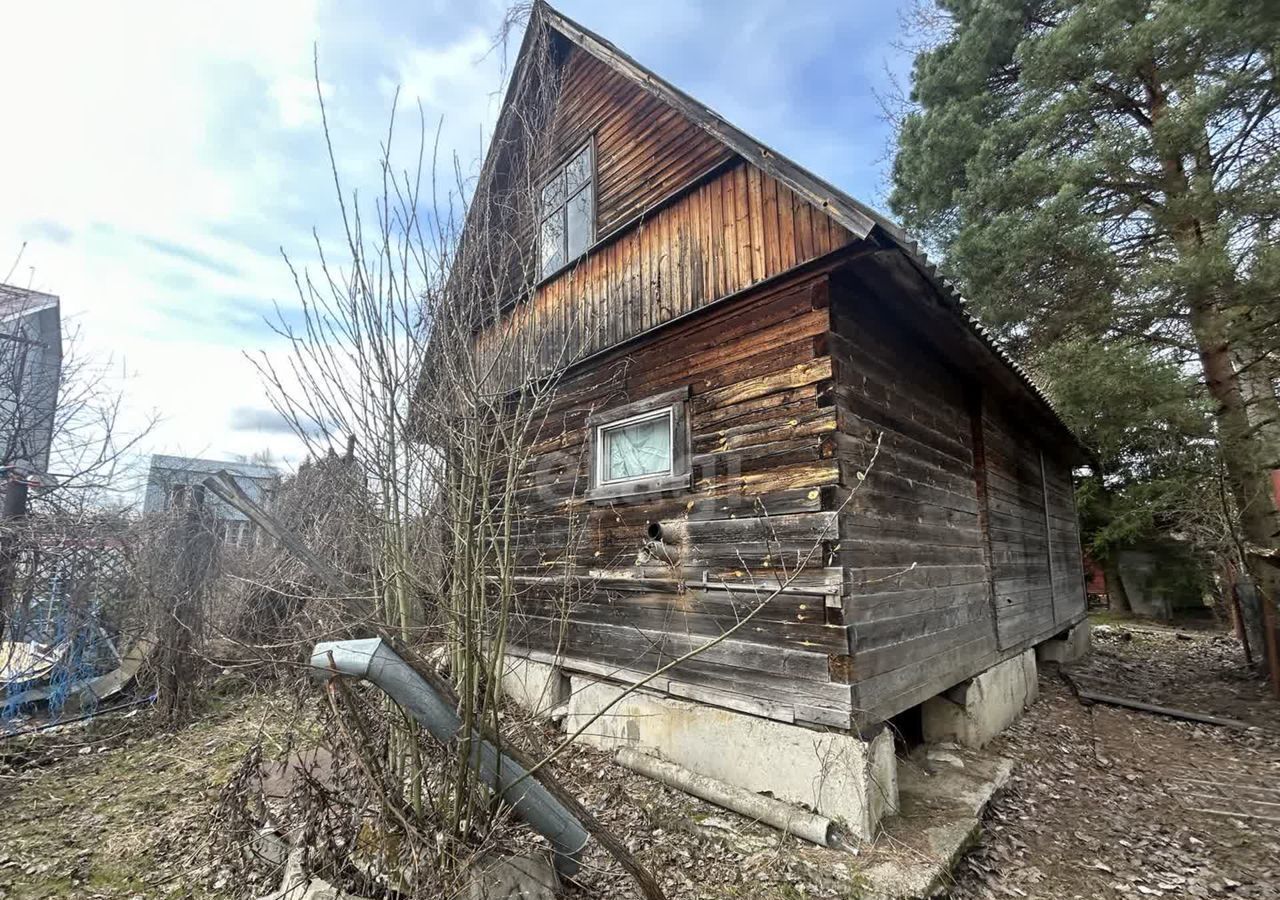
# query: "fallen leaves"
{"type": "Point", "coordinates": [1092, 810]}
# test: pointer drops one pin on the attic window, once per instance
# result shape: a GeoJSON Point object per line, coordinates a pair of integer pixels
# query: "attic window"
{"type": "Point", "coordinates": [568, 211]}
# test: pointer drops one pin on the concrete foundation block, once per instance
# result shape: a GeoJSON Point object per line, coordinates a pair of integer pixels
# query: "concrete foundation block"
{"type": "Point", "coordinates": [1068, 647]}
{"type": "Point", "coordinates": [842, 776]}
{"type": "Point", "coordinates": [535, 687]}
{"type": "Point", "coordinates": [975, 711]}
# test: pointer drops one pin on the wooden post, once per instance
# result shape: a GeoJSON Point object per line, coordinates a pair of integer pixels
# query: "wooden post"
{"type": "Point", "coordinates": [1269, 639]}
{"type": "Point", "coordinates": [227, 490]}
{"type": "Point", "coordinates": [1251, 603]}
{"type": "Point", "coordinates": [14, 510]}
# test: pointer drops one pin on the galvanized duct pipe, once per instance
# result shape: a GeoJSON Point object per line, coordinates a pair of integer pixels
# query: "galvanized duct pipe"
{"type": "Point", "coordinates": [374, 661]}
{"type": "Point", "coordinates": [791, 819]}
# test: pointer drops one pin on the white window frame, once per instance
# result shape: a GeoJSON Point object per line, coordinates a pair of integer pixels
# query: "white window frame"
{"type": "Point", "coordinates": [602, 458]}
{"type": "Point", "coordinates": [674, 406]}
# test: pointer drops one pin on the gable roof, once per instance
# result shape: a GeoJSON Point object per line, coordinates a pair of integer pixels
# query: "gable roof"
{"type": "Point", "coordinates": [194, 465]}
{"type": "Point", "coordinates": [861, 220]}
{"type": "Point", "coordinates": [16, 301]}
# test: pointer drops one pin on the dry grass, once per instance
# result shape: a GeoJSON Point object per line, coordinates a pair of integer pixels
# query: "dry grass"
{"type": "Point", "coordinates": [103, 812]}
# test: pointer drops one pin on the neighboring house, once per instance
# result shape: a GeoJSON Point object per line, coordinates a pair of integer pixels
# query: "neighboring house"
{"type": "Point", "coordinates": [1095, 580]}
{"type": "Point", "coordinates": [174, 481]}
{"type": "Point", "coordinates": [743, 334]}
{"type": "Point", "coordinates": [1163, 579]}
{"type": "Point", "coordinates": [30, 375]}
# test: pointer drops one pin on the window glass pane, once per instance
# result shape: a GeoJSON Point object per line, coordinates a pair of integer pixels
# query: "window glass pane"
{"type": "Point", "coordinates": [553, 194]}
{"type": "Point", "coordinates": [578, 170]}
{"type": "Point", "coordinates": [579, 222]}
{"type": "Point", "coordinates": [551, 242]}
{"type": "Point", "coordinates": [632, 451]}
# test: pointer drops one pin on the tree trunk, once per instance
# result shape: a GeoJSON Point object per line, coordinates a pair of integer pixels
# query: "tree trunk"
{"type": "Point", "coordinates": [1263, 408]}
{"type": "Point", "coordinates": [1244, 450]}
{"type": "Point", "coordinates": [1242, 446]}
{"type": "Point", "coordinates": [1117, 596]}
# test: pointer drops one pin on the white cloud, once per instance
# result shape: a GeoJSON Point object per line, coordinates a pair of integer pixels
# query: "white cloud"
{"type": "Point", "coordinates": [165, 153]}
{"type": "Point", "coordinates": [296, 100]}
{"type": "Point", "coordinates": [457, 88]}
{"type": "Point", "coordinates": [158, 155]}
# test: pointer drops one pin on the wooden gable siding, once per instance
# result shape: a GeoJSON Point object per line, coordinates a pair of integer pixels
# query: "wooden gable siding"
{"type": "Point", "coordinates": [645, 150]}
{"type": "Point", "coordinates": [721, 237]}
{"type": "Point", "coordinates": [761, 424]}
{"type": "Point", "coordinates": [680, 222]}
{"type": "Point", "coordinates": [917, 600]}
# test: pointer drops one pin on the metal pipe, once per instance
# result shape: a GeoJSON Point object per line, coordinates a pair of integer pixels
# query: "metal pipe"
{"type": "Point", "coordinates": [787, 818]}
{"type": "Point", "coordinates": [373, 660]}
{"type": "Point", "coordinates": [674, 532]}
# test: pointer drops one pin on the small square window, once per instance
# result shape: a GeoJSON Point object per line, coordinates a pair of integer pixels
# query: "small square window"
{"type": "Point", "coordinates": [636, 447]}
{"type": "Point", "coordinates": [641, 448]}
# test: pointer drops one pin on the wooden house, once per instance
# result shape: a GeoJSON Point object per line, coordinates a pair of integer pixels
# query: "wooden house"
{"type": "Point", "coordinates": [771, 395]}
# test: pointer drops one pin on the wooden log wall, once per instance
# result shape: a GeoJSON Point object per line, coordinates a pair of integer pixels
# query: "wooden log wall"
{"type": "Point", "coordinates": [911, 541]}
{"type": "Point", "coordinates": [1066, 556]}
{"type": "Point", "coordinates": [959, 547]}
{"type": "Point", "coordinates": [1037, 570]}
{"type": "Point", "coordinates": [1019, 542]}
{"type": "Point", "coordinates": [761, 424]}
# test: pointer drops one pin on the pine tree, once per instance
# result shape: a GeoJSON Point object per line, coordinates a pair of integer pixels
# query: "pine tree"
{"type": "Point", "coordinates": [1105, 173]}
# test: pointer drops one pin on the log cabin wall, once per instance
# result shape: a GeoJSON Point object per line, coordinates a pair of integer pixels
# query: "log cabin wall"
{"type": "Point", "coordinates": [710, 279]}
{"type": "Point", "coordinates": [696, 281]}
{"type": "Point", "coordinates": [1070, 596]}
{"type": "Point", "coordinates": [1019, 539]}
{"type": "Point", "coordinates": [761, 425]}
{"type": "Point", "coordinates": [961, 544]}
{"type": "Point", "coordinates": [1037, 568]}
{"type": "Point", "coordinates": [911, 539]}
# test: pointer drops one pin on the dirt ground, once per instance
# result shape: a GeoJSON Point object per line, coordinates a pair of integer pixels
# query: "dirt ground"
{"type": "Point", "coordinates": [1108, 802]}
{"type": "Point", "coordinates": [1105, 802]}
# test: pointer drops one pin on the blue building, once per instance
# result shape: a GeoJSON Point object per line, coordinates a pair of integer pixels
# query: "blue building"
{"type": "Point", "coordinates": [30, 374]}
{"type": "Point", "coordinates": [173, 480]}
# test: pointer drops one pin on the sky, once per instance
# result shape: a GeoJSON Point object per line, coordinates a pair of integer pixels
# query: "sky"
{"type": "Point", "coordinates": [159, 160]}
